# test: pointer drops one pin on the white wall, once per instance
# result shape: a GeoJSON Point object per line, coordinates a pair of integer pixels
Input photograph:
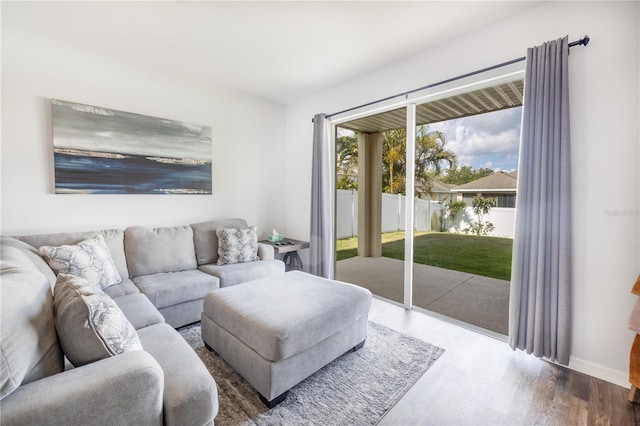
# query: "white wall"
{"type": "Point", "coordinates": [247, 134]}
{"type": "Point", "coordinates": [346, 213]}
{"type": "Point", "coordinates": [393, 216]}
{"type": "Point", "coordinates": [604, 112]}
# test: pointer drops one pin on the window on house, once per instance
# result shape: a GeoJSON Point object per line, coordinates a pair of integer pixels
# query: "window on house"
{"type": "Point", "coordinates": [505, 200]}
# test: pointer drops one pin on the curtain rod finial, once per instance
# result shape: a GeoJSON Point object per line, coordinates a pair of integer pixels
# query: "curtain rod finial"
{"type": "Point", "coordinates": [585, 40]}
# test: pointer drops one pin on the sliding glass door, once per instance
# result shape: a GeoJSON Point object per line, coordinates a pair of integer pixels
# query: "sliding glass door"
{"type": "Point", "coordinates": [401, 214]}
{"type": "Point", "coordinates": [371, 204]}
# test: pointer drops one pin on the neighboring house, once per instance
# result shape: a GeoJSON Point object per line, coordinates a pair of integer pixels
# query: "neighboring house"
{"type": "Point", "coordinates": [439, 191]}
{"type": "Point", "coordinates": [500, 185]}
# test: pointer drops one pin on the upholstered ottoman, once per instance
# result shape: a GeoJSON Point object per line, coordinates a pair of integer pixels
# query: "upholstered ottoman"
{"type": "Point", "coordinates": [277, 331]}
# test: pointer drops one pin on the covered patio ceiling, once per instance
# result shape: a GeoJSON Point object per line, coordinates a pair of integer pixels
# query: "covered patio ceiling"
{"type": "Point", "coordinates": [488, 99]}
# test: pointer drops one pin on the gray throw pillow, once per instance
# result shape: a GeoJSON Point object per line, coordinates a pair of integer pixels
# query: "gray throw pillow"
{"type": "Point", "coordinates": [90, 325]}
{"type": "Point", "coordinates": [90, 259]}
{"type": "Point", "coordinates": [237, 245]}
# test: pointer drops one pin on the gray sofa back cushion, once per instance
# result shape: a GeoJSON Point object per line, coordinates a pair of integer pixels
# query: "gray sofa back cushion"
{"type": "Point", "coordinates": [33, 255]}
{"type": "Point", "coordinates": [206, 240]}
{"type": "Point", "coordinates": [155, 250]}
{"type": "Point", "coordinates": [29, 345]}
{"type": "Point", "coordinates": [113, 237]}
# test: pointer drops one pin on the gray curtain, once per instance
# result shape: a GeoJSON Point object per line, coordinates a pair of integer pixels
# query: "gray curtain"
{"type": "Point", "coordinates": [322, 238]}
{"type": "Point", "coordinates": [541, 278]}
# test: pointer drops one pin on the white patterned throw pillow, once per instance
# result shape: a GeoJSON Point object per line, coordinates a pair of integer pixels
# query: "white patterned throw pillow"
{"type": "Point", "coordinates": [237, 245]}
{"type": "Point", "coordinates": [90, 259]}
{"type": "Point", "coordinates": [89, 324]}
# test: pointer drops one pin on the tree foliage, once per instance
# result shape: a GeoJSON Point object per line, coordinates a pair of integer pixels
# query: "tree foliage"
{"type": "Point", "coordinates": [431, 156]}
{"type": "Point", "coordinates": [465, 174]}
{"type": "Point", "coordinates": [347, 162]}
{"type": "Point", "coordinates": [481, 207]}
{"type": "Point", "coordinates": [449, 210]}
{"type": "Point", "coordinates": [394, 146]}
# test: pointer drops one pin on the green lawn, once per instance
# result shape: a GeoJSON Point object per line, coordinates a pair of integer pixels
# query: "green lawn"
{"type": "Point", "coordinates": [487, 256]}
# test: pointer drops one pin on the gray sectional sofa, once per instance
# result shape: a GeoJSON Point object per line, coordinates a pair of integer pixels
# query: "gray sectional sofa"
{"type": "Point", "coordinates": [165, 274]}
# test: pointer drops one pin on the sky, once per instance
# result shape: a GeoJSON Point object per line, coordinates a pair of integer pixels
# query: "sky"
{"type": "Point", "coordinates": [487, 140]}
{"type": "Point", "coordinates": [92, 128]}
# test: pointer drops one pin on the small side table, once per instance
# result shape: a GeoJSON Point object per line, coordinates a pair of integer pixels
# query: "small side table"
{"type": "Point", "coordinates": [289, 248]}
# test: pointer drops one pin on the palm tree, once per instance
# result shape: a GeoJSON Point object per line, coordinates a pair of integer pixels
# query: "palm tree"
{"type": "Point", "coordinates": [431, 155]}
{"type": "Point", "coordinates": [394, 144]}
{"type": "Point", "coordinates": [347, 161]}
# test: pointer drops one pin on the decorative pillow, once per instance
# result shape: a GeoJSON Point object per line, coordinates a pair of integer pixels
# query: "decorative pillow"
{"type": "Point", "coordinates": [237, 245]}
{"type": "Point", "coordinates": [90, 325]}
{"type": "Point", "coordinates": [90, 259]}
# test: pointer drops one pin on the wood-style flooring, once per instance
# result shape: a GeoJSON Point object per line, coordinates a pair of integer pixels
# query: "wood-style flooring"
{"type": "Point", "coordinates": [479, 380]}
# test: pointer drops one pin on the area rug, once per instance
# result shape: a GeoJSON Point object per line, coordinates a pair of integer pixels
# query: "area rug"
{"type": "Point", "coordinates": [356, 389]}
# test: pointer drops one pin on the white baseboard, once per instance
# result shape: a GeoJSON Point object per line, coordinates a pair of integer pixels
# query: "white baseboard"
{"type": "Point", "coordinates": [617, 377]}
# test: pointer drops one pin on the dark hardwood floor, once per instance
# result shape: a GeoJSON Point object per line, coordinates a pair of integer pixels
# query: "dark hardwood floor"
{"type": "Point", "coordinates": [479, 380]}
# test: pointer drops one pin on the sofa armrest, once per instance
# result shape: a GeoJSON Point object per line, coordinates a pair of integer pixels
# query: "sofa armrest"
{"type": "Point", "coordinates": [266, 251]}
{"type": "Point", "coordinates": [125, 389]}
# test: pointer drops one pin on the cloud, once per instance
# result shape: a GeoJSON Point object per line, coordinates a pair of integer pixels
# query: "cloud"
{"type": "Point", "coordinates": [485, 140]}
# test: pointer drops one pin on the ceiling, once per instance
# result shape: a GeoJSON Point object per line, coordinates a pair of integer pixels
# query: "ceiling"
{"type": "Point", "coordinates": [488, 99]}
{"type": "Point", "coordinates": [281, 51]}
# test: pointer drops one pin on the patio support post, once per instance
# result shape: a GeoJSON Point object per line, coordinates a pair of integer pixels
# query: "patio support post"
{"type": "Point", "coordinates": [369, 194]}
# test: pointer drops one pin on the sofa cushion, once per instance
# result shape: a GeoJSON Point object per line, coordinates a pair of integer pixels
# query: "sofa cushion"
{"type": "Point", "coordinates": [89, 323]}
{"type": "Point", "coordinates": [190, 392]}
{"type": "Point", "coordinates": [156, 250]}
{"type": "Point", "coordinates": [29, 348]}
{"type": "Point", "coordinates": [206, 240]}
{"type": "Point", "coordinates": [113, 237]}
{"type": "Point", "coordinates": [123, 288]}
{"type": "Point", "coordinates": [89, 259]}
{"type": "Point", "coordinates": [239, 273]}
{"type": "Point", "coordinates": [266, 251]}
{"type": "Point", "coordinates": [171, 288]}
{"type": "Point", "coordinates": [237, 245]}
{"type": "Point", "coordinates": [33, 255]}
{"type": "Point", "coordinates": [122, 390]}
{"type": "Point", "coordinates": [139, 310]}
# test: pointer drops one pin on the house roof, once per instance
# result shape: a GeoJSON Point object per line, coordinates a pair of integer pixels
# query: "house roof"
{"type": "Point", "coordinates": [437, 186]}
{"type": "Point", "coordinates": [496, 182]}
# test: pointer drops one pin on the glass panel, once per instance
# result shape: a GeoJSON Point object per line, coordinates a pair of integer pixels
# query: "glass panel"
{"type": "Point", "coordinates": [370, 180]}
{"type": "Point", "coordinates": [464, 214]}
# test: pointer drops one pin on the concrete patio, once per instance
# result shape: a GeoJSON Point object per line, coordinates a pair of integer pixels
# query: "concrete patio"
{"type": "Point", "coordinates": [473, 299]}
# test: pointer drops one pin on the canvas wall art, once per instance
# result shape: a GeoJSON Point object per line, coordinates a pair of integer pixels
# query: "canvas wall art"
{"type": "Point", "coordinates": [103, 151]}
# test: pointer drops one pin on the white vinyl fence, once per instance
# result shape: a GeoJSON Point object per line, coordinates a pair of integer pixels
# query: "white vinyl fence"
{"type": "Point", "coordinates": [427, 216]}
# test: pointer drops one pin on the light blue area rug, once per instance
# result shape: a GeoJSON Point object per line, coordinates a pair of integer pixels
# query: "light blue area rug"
{"type": "Point", "coordinates": [356, 389]}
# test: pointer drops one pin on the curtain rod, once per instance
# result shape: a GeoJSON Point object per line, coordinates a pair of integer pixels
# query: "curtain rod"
{"type": "Point", "coordinates": [582, 42]}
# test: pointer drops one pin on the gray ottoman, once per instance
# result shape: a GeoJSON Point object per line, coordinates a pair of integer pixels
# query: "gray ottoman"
{"type": "Point", "coordinates": [277, 331]}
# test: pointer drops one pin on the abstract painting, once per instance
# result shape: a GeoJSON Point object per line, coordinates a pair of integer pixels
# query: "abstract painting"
{"type": "Point", "coordinates": [103, 151]}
